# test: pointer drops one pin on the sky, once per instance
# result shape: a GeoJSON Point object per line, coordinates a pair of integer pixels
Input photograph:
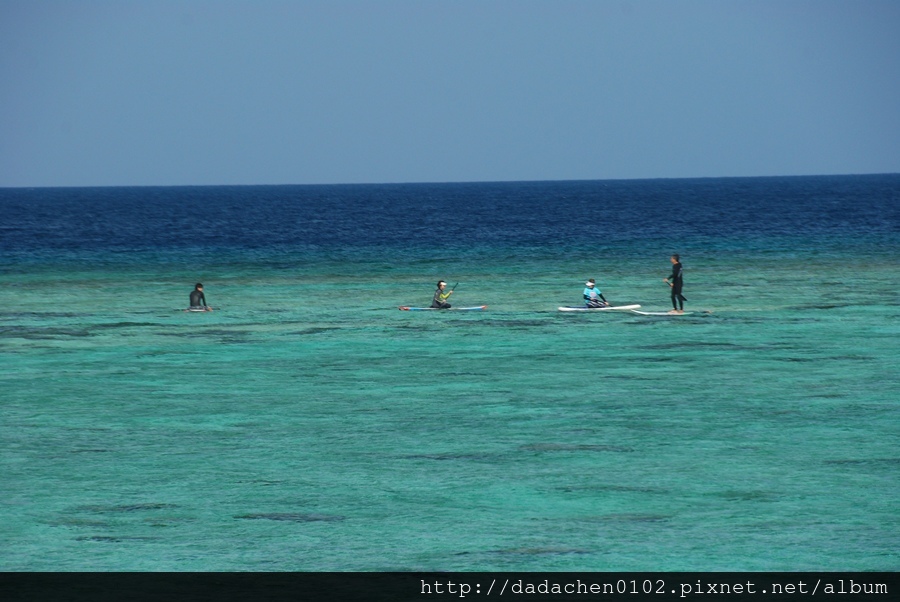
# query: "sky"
{"type": "Point", "coordinates": [203, 92]}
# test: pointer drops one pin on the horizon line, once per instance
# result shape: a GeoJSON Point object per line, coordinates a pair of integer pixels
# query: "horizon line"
{"type": "Point", "coordinates": [452, 182]}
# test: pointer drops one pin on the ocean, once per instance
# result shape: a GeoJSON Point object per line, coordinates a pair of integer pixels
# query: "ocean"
{"type": "Point", "coordinates": [308, 425]}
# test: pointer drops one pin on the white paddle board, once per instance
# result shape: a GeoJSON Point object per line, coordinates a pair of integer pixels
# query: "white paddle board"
{"type": "Point", "coordinates": [611, 308]}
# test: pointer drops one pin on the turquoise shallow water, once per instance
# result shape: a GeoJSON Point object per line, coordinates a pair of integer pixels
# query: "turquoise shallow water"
{"type": "Point", "coordinates": [309, 425]}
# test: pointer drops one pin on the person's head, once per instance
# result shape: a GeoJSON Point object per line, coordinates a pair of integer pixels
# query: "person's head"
{"type": "Point", "coordinates": [198, 287]}
{"type": "Point", "coordinates": [590, 283]}
{"type": "Point", "coordinates": [441, 284]}
{"type": "Point", "coordinates": [675, 258]}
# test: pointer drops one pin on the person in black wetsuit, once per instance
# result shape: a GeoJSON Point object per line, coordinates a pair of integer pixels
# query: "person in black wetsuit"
{"type": "Point", "coordinates": [440, 297]}
{"type": "Point", "coordinates": [676, 281]}
{"type": "Point", "coordinates": [198, 299]}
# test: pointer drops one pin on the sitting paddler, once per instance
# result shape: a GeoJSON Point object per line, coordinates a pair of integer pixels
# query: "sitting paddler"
{"type": "Point", "coordinates": [440, 297]}
{"type": "Point", "coordinates": [592, 295]}
{"type": "Point", "coordinates": [198, 299]}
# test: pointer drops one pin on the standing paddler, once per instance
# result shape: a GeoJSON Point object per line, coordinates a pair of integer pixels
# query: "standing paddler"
{"type": "Point", "coordinates": [676, 281]}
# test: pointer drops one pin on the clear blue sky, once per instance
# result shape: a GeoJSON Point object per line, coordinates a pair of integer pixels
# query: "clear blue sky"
{"type": "Point", "coordinates": [158, 92]}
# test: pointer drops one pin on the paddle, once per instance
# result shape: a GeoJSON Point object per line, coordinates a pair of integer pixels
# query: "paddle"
{"type": "Point", "coordinates": [682, 297]}
{"type": "Point", "coordinates": [446, 295]}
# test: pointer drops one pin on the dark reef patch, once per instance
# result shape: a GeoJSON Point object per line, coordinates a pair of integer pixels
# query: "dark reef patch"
{"type": "Point", "coordinates": [567, 447]}
{"type": "Point", "coordinates": [292, 517]}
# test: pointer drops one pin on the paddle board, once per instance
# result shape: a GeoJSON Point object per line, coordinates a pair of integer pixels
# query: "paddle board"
{"type": "Point", "coordinates": [660, 313]}
{"type": "Point", "coordinates": [476, 308]}
{"type": "Point", "coordinates": [611, 308]}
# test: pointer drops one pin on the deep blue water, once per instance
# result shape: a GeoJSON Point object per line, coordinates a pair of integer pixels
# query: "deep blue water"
{"type": "Point", "coordinates": [568, 216]}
